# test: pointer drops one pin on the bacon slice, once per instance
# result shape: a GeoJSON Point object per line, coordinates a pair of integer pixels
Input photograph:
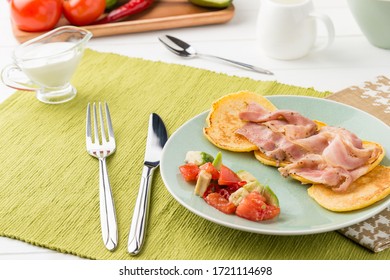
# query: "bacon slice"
{"type": "Point", "coordinates": [315, 143]}
{"type": "Point", "coordinates": [273, 144]}
{"type": "Point", "coordinates": [292, 124]}
{"type": "Point", "coordinates": [337, 154]}
{"type": "Point", "coordinates": [313, 167]}
{"type": "Point", "coordinates": [331, 156]}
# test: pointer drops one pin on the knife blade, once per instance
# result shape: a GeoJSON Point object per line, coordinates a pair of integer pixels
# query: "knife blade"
{"type": "Point", "coordinates": [156, 139]}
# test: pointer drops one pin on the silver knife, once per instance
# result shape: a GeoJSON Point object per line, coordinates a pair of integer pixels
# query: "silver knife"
{"type": "Point", "coordinates": [157, 137]}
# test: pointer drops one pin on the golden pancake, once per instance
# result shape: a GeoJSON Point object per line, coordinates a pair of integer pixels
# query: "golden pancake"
{"type": "Point", "coordinates": [365, 191]}
{"type": "Point", "coordinates": [223, 120]}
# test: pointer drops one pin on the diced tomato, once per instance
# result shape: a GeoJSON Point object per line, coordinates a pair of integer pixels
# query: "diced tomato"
{"type": "Point", "coordinates": [213, 187]}
{"type": "Point", "coordinates": [210, 168]}
{"type": "Point", "coordinates": [189, 171]}
{"type": "Point", "coordinates": [253, 207]}
{"type": "Point", "coordinates": [219, 202]}
{"type": "Point", "coordinates": [233, 187]}
{"type": "Point", "coordinates": [224, 193]}
{"type": "Point", "coordinates": [227, 176]}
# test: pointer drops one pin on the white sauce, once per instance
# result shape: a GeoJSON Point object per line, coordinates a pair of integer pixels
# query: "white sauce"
{"type": "Point", "coordinates": [51, 64]}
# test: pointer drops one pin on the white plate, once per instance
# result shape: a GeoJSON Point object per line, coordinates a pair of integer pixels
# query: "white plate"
{"type": "Point", "coordinates": [299, 213]}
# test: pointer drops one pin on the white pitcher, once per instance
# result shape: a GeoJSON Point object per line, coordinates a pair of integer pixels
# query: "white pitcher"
{"type": "Point", "coordinates": [287, 29]}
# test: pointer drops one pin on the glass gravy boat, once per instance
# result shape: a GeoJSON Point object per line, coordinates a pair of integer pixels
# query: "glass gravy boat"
{"type": "Point", "coordinates": [47, 63]}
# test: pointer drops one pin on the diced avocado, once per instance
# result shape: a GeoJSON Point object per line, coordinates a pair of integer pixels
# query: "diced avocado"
{"type": "Point", "coordinates": [217, 162]}
{"type": "Point", "coordinates": [253, 186]}
{"type": "Point", "coordinates": [271, 197]}
{"type": "Point", "coordinates": [238, 196]}
{"type": "Point", "coordinates": [266, 191]}
{"type": "Point", "coordinates": [198, 158]}
{"type": "Point", "coordinates": [246, 176]}
{"type": "Point", "coordinates": [203, 181]}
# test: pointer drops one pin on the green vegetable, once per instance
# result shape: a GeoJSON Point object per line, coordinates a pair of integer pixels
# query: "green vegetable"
{"type": "Point", "coordinates": [246, 176]}
{"type": "Point", "coordinates": [212, 3]}
{"type": "Point", "coordinates": [254, 185]}
{"type": "Point", "coordinates": [218, 161]}
{"type": "Point", "coordinates": [265, 191]}
{"type": "Point", "coordinates": [198, 158]}
{"type": "Point", "coordinates": [110, 3]}
{"type": "Point", "coordinates": [238, 196]}
{"type": "Point", "coordinates": [271, 197]}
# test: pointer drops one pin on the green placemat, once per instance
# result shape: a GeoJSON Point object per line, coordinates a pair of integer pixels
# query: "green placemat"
{"type": "Point", "coordinates": [49, 184]}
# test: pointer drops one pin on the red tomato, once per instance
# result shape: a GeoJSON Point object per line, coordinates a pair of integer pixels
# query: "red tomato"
{"type": "Point", "coordinates": [35, 15]}
{"type": "Point", "coordinates": [253, 207]}
{"type": "Point", "coordinates": [210, 168]}
{"type": "Point", "coordinates": [227, 176]}
{"type": "Point", "coordinates": [231, 188]}
{"type": "Point", "coordinates": [189, 171]}
{"type": "Point", "coordinates": [83, 12]}
{"type": "Point", "coordinates": [219, 202]}
{"type": "Point", "coordinates": [211, 189]}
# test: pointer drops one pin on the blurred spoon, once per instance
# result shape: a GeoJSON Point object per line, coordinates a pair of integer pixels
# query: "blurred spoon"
{"type": "Point", "coordinates": [183, 49]}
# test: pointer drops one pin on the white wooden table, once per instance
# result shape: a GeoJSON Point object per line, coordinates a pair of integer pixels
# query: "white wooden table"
{"type": "Point", "coordinates": [350, 60]}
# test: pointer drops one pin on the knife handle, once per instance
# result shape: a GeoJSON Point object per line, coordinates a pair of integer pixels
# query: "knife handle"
{"type": "Point", "coordinates": [140, 214]}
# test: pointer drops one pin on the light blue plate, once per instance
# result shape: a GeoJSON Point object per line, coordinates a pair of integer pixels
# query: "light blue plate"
{"type": "Point", "coordinates": [300, 214]}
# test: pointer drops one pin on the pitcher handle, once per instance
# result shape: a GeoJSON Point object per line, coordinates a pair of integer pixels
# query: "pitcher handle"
{"type": "Point", "coordinates": [329, 27]}
{"type": "Point", "coordinates": [7, 76]}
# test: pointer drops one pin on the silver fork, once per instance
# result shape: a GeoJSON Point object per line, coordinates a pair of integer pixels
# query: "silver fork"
{"type": "Point", "coordinates": [101, 149]}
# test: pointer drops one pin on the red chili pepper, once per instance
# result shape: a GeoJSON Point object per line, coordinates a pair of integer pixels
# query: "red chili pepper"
{"type": "Point", "coordinates": [130, 8]}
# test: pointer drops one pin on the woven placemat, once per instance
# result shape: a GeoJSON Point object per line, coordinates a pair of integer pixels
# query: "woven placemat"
{"type": "Point", "coordinates": [49, 185]}
{"type": "Point", "coordinates": [373, 97]}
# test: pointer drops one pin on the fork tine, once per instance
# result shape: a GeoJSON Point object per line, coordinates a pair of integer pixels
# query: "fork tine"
{"type": "Point", "coordinates": [95, 127]}
{"type": "Point", "coordinates": [109, 123]}
{"type": "Point", "coordinates": [102, 130]}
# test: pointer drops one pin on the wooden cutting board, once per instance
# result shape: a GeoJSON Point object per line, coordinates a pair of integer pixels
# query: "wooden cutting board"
{"type": "Point", "coordinates": [164, 14]}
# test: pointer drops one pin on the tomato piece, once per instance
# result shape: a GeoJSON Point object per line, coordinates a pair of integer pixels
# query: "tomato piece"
{"type": "Point", "coordinates": [35, 15]}
{"type": "Point", "coordinates": [213, 187]}
{"type": "Point", "coordinates": [231, 188]}
{"type": "Point", "coordinates": [224, 193]}
{"type": "Point", "coordinates": [253, 207]}
{"type": "Point", "coordinates": [189, 171]}
{"type": "Point", "coordinates": [210, 168]}
{"type": "Point", "coordinates": [227, 176]}
{"type": "Point", "coordinates": [83, 12]}
{"type": "Point", "coordinates": [220, 203]}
